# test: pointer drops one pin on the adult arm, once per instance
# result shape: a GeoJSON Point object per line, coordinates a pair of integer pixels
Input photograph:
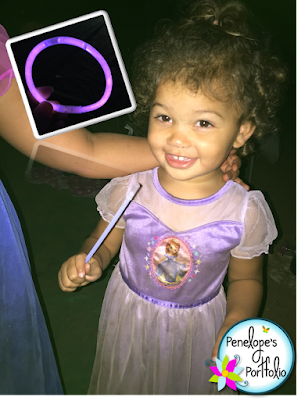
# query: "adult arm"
{"type": "Point", "coordinates": [102, 155]}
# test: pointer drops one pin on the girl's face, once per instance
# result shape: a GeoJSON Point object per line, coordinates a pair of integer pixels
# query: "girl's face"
{"type": "Point", "coordinates": [191, 135]}
{"type": "Point", "coordinates": [172, 249]}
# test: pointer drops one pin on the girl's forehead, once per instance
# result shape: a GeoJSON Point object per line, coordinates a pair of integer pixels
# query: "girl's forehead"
{"type": "Point", "coordinates": [178, 89]}
{"type": "Point", "coordinates": [167, 86]}
{"type": "Point", "coordinates": [172, 94]}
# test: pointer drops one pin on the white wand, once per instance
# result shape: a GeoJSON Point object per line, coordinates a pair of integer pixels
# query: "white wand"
{"type": "Point", "coordinates": [121, 209]}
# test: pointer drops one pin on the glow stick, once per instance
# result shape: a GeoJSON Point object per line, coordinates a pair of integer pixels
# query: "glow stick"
{"type": "Point", "coordinates": [82, 45]}
{"type": "Point", "coordinates": [121, 209]}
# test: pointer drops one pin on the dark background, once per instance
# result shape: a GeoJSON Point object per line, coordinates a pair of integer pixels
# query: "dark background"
{"type": "Point", "coordinates": [55, 223]}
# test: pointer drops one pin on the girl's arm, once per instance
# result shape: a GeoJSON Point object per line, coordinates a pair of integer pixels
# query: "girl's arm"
{"type": "Point", "coordinates": [75, 272]}
{"type": "Point", "coordinates": [244, 293]}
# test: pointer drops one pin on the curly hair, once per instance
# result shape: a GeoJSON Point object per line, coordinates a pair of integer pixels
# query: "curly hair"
{"type": "Point", "coordinates": [214, 50]}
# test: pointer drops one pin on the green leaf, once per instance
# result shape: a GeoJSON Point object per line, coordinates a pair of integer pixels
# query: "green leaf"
{"type": "Point", "coordinates": [214, 378]}
{"type": "Point", "coordinates": [225, 362]}
{"type": "Point", "coordinates": [234, 377]}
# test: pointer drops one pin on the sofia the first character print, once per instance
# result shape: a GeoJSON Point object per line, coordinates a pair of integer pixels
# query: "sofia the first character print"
{"type": "Point", "coordinates": [171, 262]}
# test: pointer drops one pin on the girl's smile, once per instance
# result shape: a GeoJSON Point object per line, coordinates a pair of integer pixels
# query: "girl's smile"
{"type": "Point", "coordinates": [191, 135]}
{"type": "Point", "coordinates": [179, 161]}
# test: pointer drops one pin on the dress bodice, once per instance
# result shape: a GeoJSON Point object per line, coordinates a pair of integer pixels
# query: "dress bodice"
{"type": "Point", "coordinates": [199, 235]}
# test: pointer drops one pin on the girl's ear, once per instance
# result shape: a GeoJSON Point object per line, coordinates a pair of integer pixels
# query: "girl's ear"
{"type": "Point", "coordinates": [245, 132]}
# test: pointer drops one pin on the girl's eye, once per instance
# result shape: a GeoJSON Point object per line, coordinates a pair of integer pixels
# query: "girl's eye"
{"type": "Point", "coordinates": [164, 118]}
{"type": "Point", "coordinates": [203, 124]}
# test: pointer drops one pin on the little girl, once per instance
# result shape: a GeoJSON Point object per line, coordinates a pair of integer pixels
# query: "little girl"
{"type": "Point", "coordinates": [208, 85]}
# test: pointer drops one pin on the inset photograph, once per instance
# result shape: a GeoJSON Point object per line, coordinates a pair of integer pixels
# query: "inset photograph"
{"type": "Point", "coordinates": [71, 75]}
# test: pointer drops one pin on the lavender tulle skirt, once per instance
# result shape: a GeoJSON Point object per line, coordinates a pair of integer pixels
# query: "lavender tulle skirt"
{"type": "Point", "coordinates": [144, 348]}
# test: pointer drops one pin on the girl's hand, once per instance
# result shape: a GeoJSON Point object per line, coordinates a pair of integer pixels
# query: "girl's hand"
{"type": "Point", "coordinates": [230, 168]}
{"type": "Point", "coordinates": [75, 272]}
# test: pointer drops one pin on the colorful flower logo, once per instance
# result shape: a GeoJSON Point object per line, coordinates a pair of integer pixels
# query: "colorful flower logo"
{"type": "Point", "coordinates": [225, 373]}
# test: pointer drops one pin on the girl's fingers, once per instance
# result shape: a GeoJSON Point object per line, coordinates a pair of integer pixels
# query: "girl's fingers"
{"type": "Point", "coordinates": [65, 284]}
{"type": "Point", "coordinates": [75, 272]}
{"type": "Point", "coordinates": [80, 261]}
{"type": "Point", "coordinates": [88, 268]}
{"type": "Point", "coordinates": [93, 270]}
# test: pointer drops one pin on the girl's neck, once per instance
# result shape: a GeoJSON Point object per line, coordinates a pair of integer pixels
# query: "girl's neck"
{"type": "Point", "coordinates": [204, 187]}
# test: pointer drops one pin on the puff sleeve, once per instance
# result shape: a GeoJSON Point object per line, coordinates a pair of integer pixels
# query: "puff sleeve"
{"type": "Point", "coordinates": [259, 228]}
{"type": "Point", "coordinates": [111, 196]}
{"type": "Point", "coordinates": [6, 71]}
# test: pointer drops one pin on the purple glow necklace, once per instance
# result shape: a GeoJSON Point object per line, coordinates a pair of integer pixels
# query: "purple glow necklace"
{"type": "Point", "coordinates": [82, 45]}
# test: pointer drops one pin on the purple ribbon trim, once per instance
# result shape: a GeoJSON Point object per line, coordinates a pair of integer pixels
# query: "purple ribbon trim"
{"type": "Point", "coordinates": [163, 303]}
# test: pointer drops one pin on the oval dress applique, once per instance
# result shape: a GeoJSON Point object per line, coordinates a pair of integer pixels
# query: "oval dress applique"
{"type": "Point", "coordinates": [171, 262]}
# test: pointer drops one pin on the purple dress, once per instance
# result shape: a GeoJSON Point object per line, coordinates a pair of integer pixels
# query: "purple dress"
{"type": "Point", "coordinates": [157, 328]}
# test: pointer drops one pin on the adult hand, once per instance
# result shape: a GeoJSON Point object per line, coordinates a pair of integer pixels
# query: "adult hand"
{"type": "Point", "coordinates": [230, 167]}
{"type": "Point", "coordinates": [45, 118]}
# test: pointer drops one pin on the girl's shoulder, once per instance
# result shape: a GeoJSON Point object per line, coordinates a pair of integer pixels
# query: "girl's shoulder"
{"type": "Point", "coordinates": [258, 211]}
{"type": "Point", "coordinates": [123, 184]}
{"type": "Point", "coordinates": [259, 228]}
{"type": "Point", "coordinates": [245, 206]}
{"type": "Point", "coordinates": [111, 197]}
{"type": "Point", "coordinates": [251, 199]}
{"type": "Point", "coordinates": [114, 193]}
{"type": "Point", "coordinates": [254, 203]}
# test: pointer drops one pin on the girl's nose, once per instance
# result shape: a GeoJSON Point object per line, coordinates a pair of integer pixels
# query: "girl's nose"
{"type": "Point", "coordinates": [179, 138]}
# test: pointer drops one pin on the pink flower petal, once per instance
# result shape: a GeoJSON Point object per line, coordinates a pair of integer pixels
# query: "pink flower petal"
{"type": "Point", "coordinates": [231, 384]}
{"type": "Point", "coordinates": [231, 365]}
{"type": "Point", "coordinates": [215, 371]}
